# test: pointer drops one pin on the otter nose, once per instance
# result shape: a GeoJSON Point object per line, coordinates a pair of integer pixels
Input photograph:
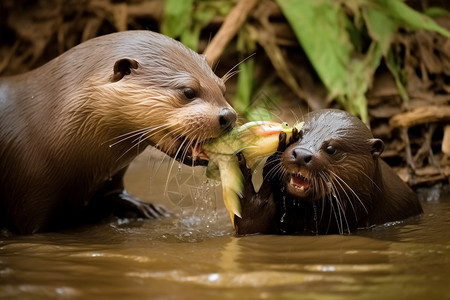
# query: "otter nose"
{"type": "Point", "coordinates": [301, 156]}
{"type": "Point", "coordinates": [227, 118]}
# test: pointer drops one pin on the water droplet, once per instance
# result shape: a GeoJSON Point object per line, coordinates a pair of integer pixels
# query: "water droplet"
{"type": "Point", "coordinates": [315, 218]}
{"type": "Point", "coordinates": [284, 209]}
{"type": "Point", "coordinates": [333, 194]}
{"type": "Point", "coordinates": [282, 217]}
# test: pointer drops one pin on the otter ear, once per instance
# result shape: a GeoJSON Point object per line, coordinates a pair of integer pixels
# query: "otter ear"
{"type": "Point", "coordinates": [377, 147]}
{"type": "Point", "coordinates": [123, 67]}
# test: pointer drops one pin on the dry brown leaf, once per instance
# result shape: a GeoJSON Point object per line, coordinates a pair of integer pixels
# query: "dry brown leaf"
{"type": "Point", "coordinates": [421, 115]}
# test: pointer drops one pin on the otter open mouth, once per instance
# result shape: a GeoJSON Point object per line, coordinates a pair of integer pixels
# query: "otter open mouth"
{"type": "Point", "coordinates": [298, 185]}
{"type": "Point", "coordinates": [190, 152]}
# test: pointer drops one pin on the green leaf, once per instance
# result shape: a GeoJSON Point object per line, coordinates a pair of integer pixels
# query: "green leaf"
{"type": "Point", "coordinates": [336, 44]}
{"type": "Point", "coordinates": [380, 27]}
{"type": "Point", "coordinates": [204, 12]}
{"type": "Point", "coordinates": [190, 38]}
{"type": "Point", "coordinates": [393, 64]}
{"type": "Point", "coordinates": [245, 86]}
{"type": "Point", "coordinates": [320, 28]}
{"type": "Point", "coordinates": [406, 16]}
{"type": "Point", "coordinates": [185, 19]}
{"type": "Point", "coordinates": [434, 12]}
{"type": "Point", "coordinates": [177, 17]}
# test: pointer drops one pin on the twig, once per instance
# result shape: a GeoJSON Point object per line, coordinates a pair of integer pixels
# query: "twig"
{"type": "Point", "coordinates": [228, 30]}
{"type": "Point", "coordinates": [421, 115]}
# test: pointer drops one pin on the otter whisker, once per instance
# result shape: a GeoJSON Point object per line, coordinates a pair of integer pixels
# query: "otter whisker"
{"type": "Point", "coordinates": [336, 190]}
{"type": "Point", "coordinates": [322, 211]}
{"type": "Point", "coordinates": [336, 211]}
{"type": "Point", "coordinates": [361, 172]}
{"type": "Point", "coordinates": [342, 208]}
{"type": "Point", "coordinates": [319, 185]}
{"type": "Point", "coordinates": [137, 141]}
{"type": "Point", "coordinates": [167, 150]}
{"type": "Point", "coordinates": [131, 134]}
{"type": "Point", "coordinates": [218, 61]}
{"type": "Point", "coordinates": [192, 136]}
{"type": "Point", "coordinates": [339, 210]}
{"type": "Point", "coordinates": [332, 212]}
{"type": "Point", "coordinates": [353, 192]}
{"type": "Point", "coordinates": [170, 146]}
{"type": "Point", "coordinates": [348, 197]}
{"type": "Point", "coordinates": [195, 144]}
{"type": "Point", "coordinates": [148, 135]}
{"type": "Point", "coordinates": [231, 72]}
{"type": "Point", "coordinates": [136, 145]}
{"type": "Point", "coordinates": [374, 183]}
{"type": "Point", "coordinates": [276, 170]}
{"type": "Point", "coordinates": [125, 136]}
{"type": "Point", "coordinates": [172, 143]}
{"type": "Point", "coordinates": [186, 149]}
{"type": "Point", "coordinates": [180, 148]}
{"type": "Point", "coordinates": [324, 178]}
{"type": "Point", "coordinates": [296, 118]}
{"type": "Point", "coordinates": [170, 167]}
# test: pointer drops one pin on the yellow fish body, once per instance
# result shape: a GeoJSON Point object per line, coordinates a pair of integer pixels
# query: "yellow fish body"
{"type": "Point", "coordinates": [255, 140]}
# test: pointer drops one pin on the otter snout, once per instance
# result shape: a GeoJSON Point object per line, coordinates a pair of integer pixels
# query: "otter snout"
{"type": "Point", "coordinates": [300, 156]}
{"type": "Point", "coordinates": [227, 119]}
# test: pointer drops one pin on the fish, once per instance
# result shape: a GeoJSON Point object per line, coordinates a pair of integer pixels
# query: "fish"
{"type": "Point", "coordinates": [255, 140]}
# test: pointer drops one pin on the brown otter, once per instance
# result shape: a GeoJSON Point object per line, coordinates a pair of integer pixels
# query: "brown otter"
{"type": "Point", "coordinates": [329, 179]}
{"type": "Point", "coordinates": [70, 128]}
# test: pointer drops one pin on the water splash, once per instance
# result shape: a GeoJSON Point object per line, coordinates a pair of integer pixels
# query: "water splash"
{"type": "Point", "coordinates": [197, 199]}
{"type": "Point", "coordinates": [316, 220]}
{"type": "Point", "coordinates": [284, 205]}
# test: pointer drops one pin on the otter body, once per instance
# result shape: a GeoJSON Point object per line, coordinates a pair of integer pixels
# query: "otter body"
{"type": "Point", "coordinates": [69, 129]}
{"type": "Point", "coordinates": [330, 179]}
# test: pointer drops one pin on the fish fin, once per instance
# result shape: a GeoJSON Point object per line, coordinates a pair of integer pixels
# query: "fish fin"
{"type": "Point", "coordinates": [232, 185]}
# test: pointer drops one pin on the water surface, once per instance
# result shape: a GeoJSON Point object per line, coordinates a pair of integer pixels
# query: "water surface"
{"type": "Point", "coordinates": [195, 255]}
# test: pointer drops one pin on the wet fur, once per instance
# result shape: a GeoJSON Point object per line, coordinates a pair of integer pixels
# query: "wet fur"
{"type": "Point", "coordinates": [70, 128]}
{"type": "Point", "coordinates": [351, 188]}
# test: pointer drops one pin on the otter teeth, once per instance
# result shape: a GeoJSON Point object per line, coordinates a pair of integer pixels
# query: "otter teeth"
{"type": "Point", "coordinates": [299, 181]}
{"type": "Point", "coordinates": [197, 151]}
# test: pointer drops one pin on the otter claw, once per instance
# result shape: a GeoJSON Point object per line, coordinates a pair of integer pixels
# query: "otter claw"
{"type": "Point", "coordinates": [281, 142]}
{"type": "Point", "coordinates": [296, 135]}
{"type": "Point", "coordinates": [243, 165]}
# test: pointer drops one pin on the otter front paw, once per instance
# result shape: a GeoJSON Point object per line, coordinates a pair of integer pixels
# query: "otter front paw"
{"type": "Point", "coordinates": [125, 205]}
{"type": "Point", "coordinates": [257, 209]}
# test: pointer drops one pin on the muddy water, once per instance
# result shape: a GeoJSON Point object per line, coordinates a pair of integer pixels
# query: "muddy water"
{"type": "Point", "coordinates": [194, 254]}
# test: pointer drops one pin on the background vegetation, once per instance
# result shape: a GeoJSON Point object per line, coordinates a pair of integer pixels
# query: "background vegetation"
{"type": "Point", "coordinates": [387, 61]}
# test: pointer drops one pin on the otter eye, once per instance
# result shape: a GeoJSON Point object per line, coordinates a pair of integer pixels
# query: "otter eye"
{"type": "Point", "coordinates": [189, 93]}
{"type": "Point", "coordinates": [330, 150]}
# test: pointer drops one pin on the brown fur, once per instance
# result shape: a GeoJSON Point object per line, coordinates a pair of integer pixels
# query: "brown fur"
{"type": "Point", "coordinates": [347, 185]}
{"type": "Point", "coordinates": [74, 123]}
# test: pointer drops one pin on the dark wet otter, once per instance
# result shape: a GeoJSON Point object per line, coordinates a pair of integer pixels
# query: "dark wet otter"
{"type": "Point", "coordinates": [329, 179]}
{"type": "Point", "coordinates": [69, 129]}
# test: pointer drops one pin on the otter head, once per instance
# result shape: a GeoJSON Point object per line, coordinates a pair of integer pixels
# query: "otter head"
{"type": "Point", "coordinates": [165, 95]}
{"type": "Point", "coordinates": [336, 155]}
